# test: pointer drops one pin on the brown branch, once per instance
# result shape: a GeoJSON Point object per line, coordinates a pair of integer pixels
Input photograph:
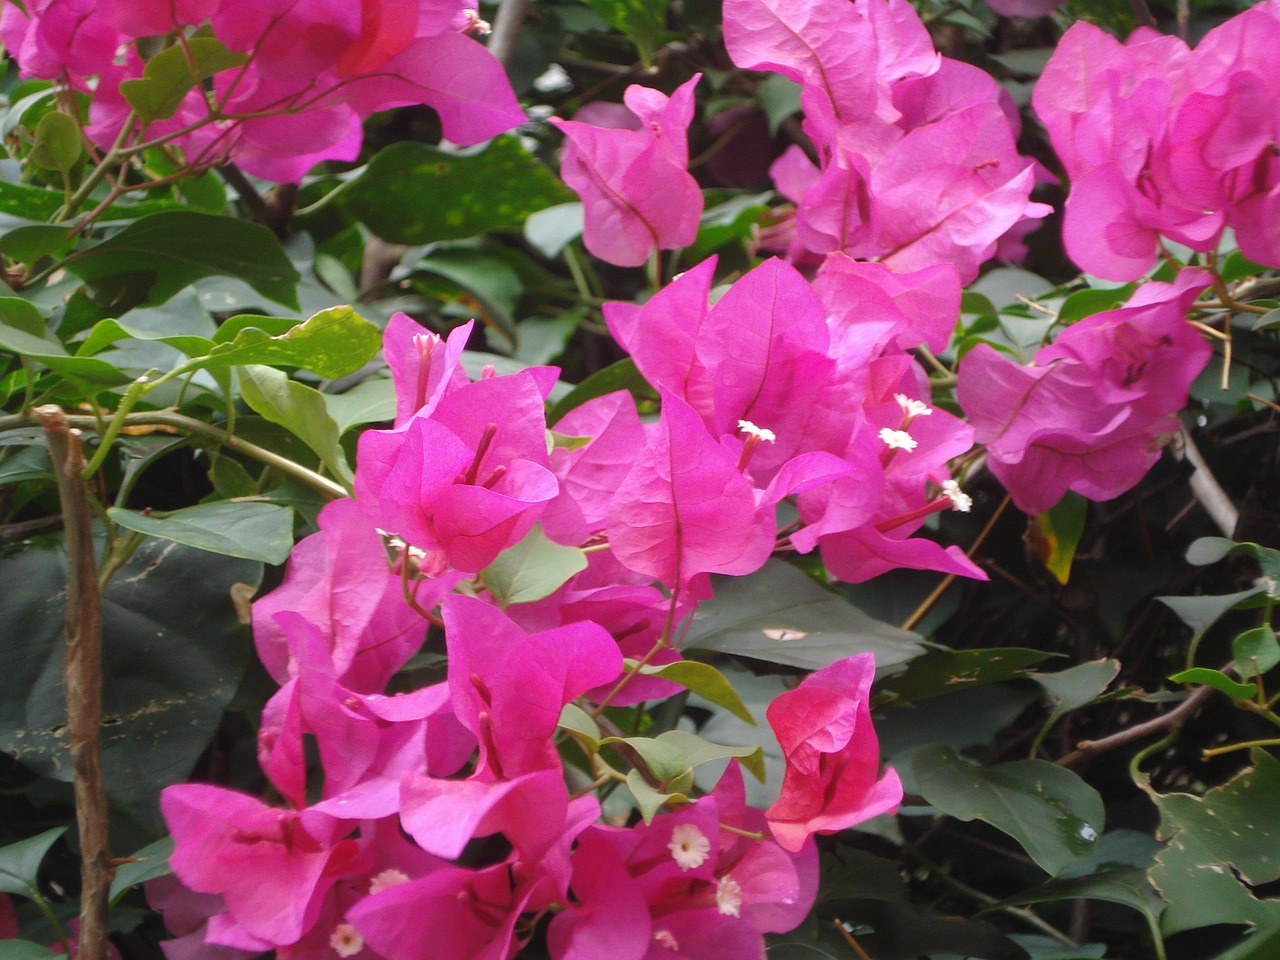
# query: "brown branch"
{"type": "Point", "coordinates": [82, 681]}
{"type": "Point", "coordinates": [1166, 721]}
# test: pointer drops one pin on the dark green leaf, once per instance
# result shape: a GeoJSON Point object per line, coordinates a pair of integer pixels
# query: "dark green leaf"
{"type": "Point", "coordinates": [411, 193]}
{"type": "Point", "coordinates": [1051, 812]}
{"type": "Point", "coordinates": [1085, 303]}
{"type": "Point", "coordinates": [252, 531]}
{"type": "Point", "coordinates": [370, 401]}
{"type": "Point", "coordinates": [173, 72]}
{"type": "Point", "coordinates": [20, 862]}
{"type": "Point", "coordinates": [1232, 830]}
{"type": "Point", "coordinates": [48, 351]}
{"type": "Point", "coordinates": [146, 864]}
{"type": "Point", "coordinates": [107, 332]}
{"type": "Point", "coordinates": [299, 409]}
{"type": "Point", "coordinates": [942, 671]}
{"type": "Point", "coordinates": [174, 248]}
{"type": "Point", "coordinates": [641, 20]}
{"type": "Point", "coordinates": [780, 615]}
{"type": "Point", "coordinates": [57, 143]}
{"type": "Point", "coordinates": [1127, 886]}
{"type": "Point", "coordinates": [29, 245]}
{"type": "Point", "coordinates": [1201, 613]}
{"type": "Point", "coordinates": [621, 375]}
{"type": "Point", "coordinates": [532, 569]}
{"type": "Point", "coordinates": [173, 652]}
{"type": "Point", "coordinates": [1256, 651]}
{"type": "Point", "coordinates": [1077, 686]}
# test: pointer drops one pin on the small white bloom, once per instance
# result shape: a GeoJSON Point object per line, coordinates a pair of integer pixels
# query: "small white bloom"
{"type": "Point", "coordinates": [346, 940]}
{"type": "Point", "coordinates": [476, 26]}
{"type": "Point", "coordinates": [897, 439]}
{"type": "Point", "coordinates": [665, 938]}
{"type": "Point", "coordinates": [912, 408]}
{"type": "Point", "coordinates": [553, 79]}
{"type": "Point", "coordinates": [749, 428]}
{"type": "Point", "coordinates": [729, 897]}
{"type": "Point", "coordinates": [689, 846]}
{"type": "Point", "coordinates": [959, 501]}
{"type": "Point", "coordinates": [391, 877]}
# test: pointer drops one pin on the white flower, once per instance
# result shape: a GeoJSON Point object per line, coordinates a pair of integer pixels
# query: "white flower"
{"type": "Point", "coordinates": [959, 501]}
{"type": "Point", "coordinates": [689, 846]}
{"type": "Point", "coordinates": [346, 940]}
{"type": "Point", "coordinates": [912, 408]}
{"type": "Point", "coordinates": [897, 439]}
{"type": "Point", "coordinates": [665, 938]}
{"type": "Point", "coordinates": [391, 877]}
{"type": "Point", "coordinates": [729, 897]}
{"type": "Point", "coordinates": [749, 428]}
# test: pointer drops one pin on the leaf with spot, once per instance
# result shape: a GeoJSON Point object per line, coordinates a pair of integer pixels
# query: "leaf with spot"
{"type": "Point", "coordinates": [411, 193]}
{"type": "Point", "coordinates": [20, 862]}
{"type": "Point", "coordinates": [1229, 835]}
{"type": "Point", "coordinates": [1051, 812]}
{"type": "Point", "coordinates": [941, 671]}
{"type": "Point", "coordinates": [173, 653]}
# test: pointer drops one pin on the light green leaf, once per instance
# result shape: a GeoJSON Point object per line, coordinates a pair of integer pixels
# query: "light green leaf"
{"type": "Point", "coordinates": [550, 230]}
{"type": "Point", "coordinates": [698, 750]}
{"type": "Point", "coordinates": [369, 401]}
{"type": "Point", "coordinates": [704, 680]}
{"type": "Point", "coordinates": [57, 145]}
{"type": "Point", "coordinates": [532, 569]}
{"type": "Point", "coordinates": [779, 99]}
{"type": "Point", "coordinates": [414, 194]}
{"type": "Point", "coordinates": [1051, 812]}
{"type": "Point", "coordinates": [648, 800]}
{"type": "Point", "coordinates": [172, 249]}
{"type": "Point", "coordinates": [299, 409]}
{"type": "Point", "coordinates": [576, 720]}
{"type": "Point", "coordinates": [1055, 534]}
{"type": "Point", "coordinates": [20, 862]}
{"type": "Point", "coordinates": [170, 75]}
{"type": "Point", "coordinates": [24, 950]}
{"type": "Point", "coordinates": [780, 615]}
{"type": "Point", "coordinates": [1218, 680]}
{"type": "Point", "coordinates": [253, 531]}
{"type": "Point", "coordinates": [332, 343]}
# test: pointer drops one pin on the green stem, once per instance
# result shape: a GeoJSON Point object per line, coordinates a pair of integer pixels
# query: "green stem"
{"type": "Point", "coordinates": [136, 391]}
{"type": "Point", "coordinates": [169, 418]}
{"type": "Point", "coordinates": [1232, 747]}
{"type": "Point", "coordinates": [96, 175]}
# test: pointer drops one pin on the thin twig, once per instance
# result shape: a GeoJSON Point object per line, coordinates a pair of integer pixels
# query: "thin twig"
{"type": "Point", "coordinates": [941, 588]}
{"type": "Point", "coordinates": [506, 29]}
{"type": "Point", "coordinates": [82, 681]}
{"type": "Point", "coordinates": [1205, 487]}
{"type": "Point", "coordinates": [1166, 721]}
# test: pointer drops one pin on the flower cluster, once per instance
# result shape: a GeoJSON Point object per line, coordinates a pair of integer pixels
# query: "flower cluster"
{"type": "Point", "coordinates": [1160, 140]}
{"type": "Point", "coordinates": [918, 164]}
{"type": "Point", "coordinates": [292, 80]}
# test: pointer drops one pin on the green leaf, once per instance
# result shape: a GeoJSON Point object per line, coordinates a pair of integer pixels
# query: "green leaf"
{"type": "Point", "coordinates": [779, 615]}
{"type": "Point", "coordinates": [641, 20]}
{"type": "Point", "coordinates": [1077, 686]}
{"type": "Point", "coordinates": [532, 569]}
{"type": "Point", "coordinates": [1256, 651]}
{"type": "Point", "coordinates": [1085, 303]}
{"type": "Point", "coordinates": [57, 145]}
{"type": "Point", "coordinates": [648, 800]}
{"type": "Point", "coordinates": [369, 401]}
{"type": "Point", "coordinates": [1209, 550]}
{"type": "Point", "coordinates": [942, 671]}
{"type": "Point", "coordinates": [621, 375]}
{"type": "Point", "coordinates": [675, 752]}
{"type": "Point", "coordinates": [704, 680]}
{"type": "Point", "coordinates": [24, 950]}
{"type": "Point", "coordinates": [779, 99]}
{"type": "Point", "coordinates": [1231, 831]}
{"type": "Point", "coordinates": [146, 864]}
{"type": "Point", "coordinates": [1218, 680]}
{"type": "Point", "coordinates": [29, 245]}
{"type": "Point", "coordinates": [1051, 812]}
{"type": "Point", "coordinates": [22, 331]}
{"type": "Point", "coordinates": [107, 332]}
{"type": "Point", "coordinates": [577, 720]}
{"type": "Point", "coordinates": [252, 531]}
{"type": "Point", "coordinates": [1055, 534]}
{"type": "Point", "coordinates": [174, 248]}
{"type": "Point", "coordinates": [550, 230]}
{"type": "Point", "coordinates": [332, 343]}
{"type": "Point", "coordinates": [173, 654]}
{"type": "Point", "coordinates": [170, 75]}
{"type": "Point", "coordinates": [414, 194]}
{"type": "Point", "coordinates": [299, 409]}
{"type": "Point", "coordinates": [1201, 613]}
{"type": "Point", "coordinates": [1127, 886]}
{"type": "Point", "coordinates": [20, 862]}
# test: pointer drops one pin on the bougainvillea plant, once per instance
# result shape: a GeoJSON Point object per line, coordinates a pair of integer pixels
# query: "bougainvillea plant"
{"type": "Point", "coordinates": [614, 484]}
